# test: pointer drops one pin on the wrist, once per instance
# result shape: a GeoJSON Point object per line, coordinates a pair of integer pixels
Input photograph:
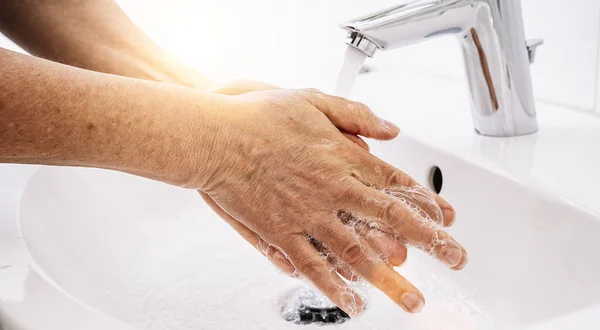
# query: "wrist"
{"type": "Point", "coordinates": [160, 131]}
{"type": "Point", "coordinates": [188, 139]}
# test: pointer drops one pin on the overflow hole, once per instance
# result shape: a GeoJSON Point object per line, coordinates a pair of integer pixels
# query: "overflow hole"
{"type": "Point", "coordinates": [437, 179]}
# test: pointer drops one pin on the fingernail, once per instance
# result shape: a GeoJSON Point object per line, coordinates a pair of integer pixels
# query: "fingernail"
{"type": "Point", "coordinates": [451, 255]}
{"type": "Point", "coordinates": [389, 126]}
{"type": "Point", "coordinates": [448, 215]}
{"type": "Point", "coordinates": [283, 263]}
{"type": "Point", "coordinates": [413, 302]}
{"type": "Point", "coordinates": [463, 263]}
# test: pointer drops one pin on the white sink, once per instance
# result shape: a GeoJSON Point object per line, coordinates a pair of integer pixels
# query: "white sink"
{"type": "Point", "coordinates": [109, 250]}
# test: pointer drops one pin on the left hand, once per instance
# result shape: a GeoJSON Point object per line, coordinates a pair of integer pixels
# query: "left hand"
{"type": "Point", "coordinates": [395, 251]}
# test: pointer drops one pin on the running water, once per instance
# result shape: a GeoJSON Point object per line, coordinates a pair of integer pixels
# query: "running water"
{"type": "Point", "coordinates": [353, 62]}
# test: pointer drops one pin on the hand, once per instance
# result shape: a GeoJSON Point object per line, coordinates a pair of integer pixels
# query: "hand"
{"type": "Point", "coordinates": [284, 172]}
{"type": "Point", "coordinates": [394, 253]}
{"type": "Point", "coordinates": [243, 86]}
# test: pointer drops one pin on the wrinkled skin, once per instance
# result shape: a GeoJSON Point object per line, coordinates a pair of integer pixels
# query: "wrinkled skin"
{"type": "Point", "coordinates": [394, 252]}
{"type": "Point", "coordinates": [285, 174]}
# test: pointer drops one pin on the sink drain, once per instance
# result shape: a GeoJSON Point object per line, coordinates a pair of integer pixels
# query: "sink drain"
{"type": "Point", "coordinates": [307, 306]}
{"type": "Point", "coordinates": [311, 315]}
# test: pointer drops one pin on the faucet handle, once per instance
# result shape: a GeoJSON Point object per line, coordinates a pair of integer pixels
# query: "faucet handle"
{"type": "Point", "coordinates": [532, 45]}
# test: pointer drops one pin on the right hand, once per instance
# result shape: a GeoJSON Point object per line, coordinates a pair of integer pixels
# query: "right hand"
{"type": "Point", "coordinates": [283, 170]}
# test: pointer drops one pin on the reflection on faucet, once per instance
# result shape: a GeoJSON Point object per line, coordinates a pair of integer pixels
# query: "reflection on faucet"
{"type": "Point", "coordinates": [485, 68]}
{"type": "Point", "coordinates": [516, 156]}
{"type": "Point", "coordinates": [495, 52]}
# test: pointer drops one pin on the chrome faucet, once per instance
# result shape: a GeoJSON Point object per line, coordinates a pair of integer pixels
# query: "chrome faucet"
{"type": "Point", "coordinates": [496, 55]}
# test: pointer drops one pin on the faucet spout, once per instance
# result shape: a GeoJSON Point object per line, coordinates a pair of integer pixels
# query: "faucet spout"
{"type": "Point", "coordinates": [413, 22]}
{"type": "Point", "coordinates": [495, 53]}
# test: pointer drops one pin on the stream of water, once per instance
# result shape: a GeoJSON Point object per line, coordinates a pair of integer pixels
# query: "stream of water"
{"type": "Point", "coordinates": [353, 62]}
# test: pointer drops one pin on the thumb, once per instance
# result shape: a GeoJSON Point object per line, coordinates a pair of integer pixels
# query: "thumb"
{"type": "Point", "coordinates": [352, 117]}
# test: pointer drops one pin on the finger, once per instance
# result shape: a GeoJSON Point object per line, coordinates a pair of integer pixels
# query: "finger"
{"type": "Point", "coordinates": [384, 176]}
{"type": "Point", "coordinates": [356, 139]}
{"type": "Point", "coordinates": [271, 252]}
{"type": "Point", "coordinates": [410, 226]}
{"type": "Point", "coordinates": [339, 266]}
{"type": "Point", "coordinates": [420, 200]}
{"type": "Point", "coordinates": [381, 242]}
{"type": "Point", "coordinates": [396, 259]}
{"type": "Point", "coordinates": [396, 177]}
{"type": "Point", "coordinates": [343, 269]}
{"type": "Point", "coordinates": [386, 245]}
{"type": "Point", "coordinates": [465, 256]}
{"type": "Point", "coordinates": [352, 117]}
{"type": "Point", "coordinates": [447, 210]}
{"type": "Point", "coordinates": [359, 257]}
{"type": "Point", "coordinates": [317, 270]}
{"type": "Point", "coordinates": [242, 86]}
{"type": "Point", "coordinates": [276, 257]}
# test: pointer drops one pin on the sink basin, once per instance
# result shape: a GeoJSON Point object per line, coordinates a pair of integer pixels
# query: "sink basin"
{"type": "Point", "coordinates": [134, 253]}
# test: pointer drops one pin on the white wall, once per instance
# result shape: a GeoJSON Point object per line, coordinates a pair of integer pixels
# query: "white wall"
{"type": "Point", "coordinates": [297, 42]}
{"type": "Point", "coordinates": [567, 68]}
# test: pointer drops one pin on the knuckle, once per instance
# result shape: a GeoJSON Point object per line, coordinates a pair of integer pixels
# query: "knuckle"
{"type": "Point", "coordinates": [399, 178]}
{"type": "Point", "coordinates": [312, 91]}
{"type": "Point", "coordinates": [345, 216]}
{"type": "Point", "coordinates": [270, 252]}
{"type": "Point", "coordinates": [400, 256]}
{"type": "Point", "coordinates": [365, 111]}
{"type": "Point", "coordinates": [262, 246]}
{"type": "Point", "coordinates": [395, 215]}
{"type": "Point", "coordinates": [348, 191]}
{"type": "Point", "coordinates": [315, 226]}
{"type": "Point", "coordinates": [353, 254]}
{"type": "Point", "coordinates": [365, 108]}
{"type": "Point", "coordinates": [387, 282]}
{"type": "Point", "coordinates": [313, 269]}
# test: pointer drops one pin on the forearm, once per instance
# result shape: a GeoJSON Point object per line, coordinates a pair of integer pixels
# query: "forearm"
{"type": "Point", "coordinates": [94, 35]}
{"type": "Point", "coordinates": [59, 115]}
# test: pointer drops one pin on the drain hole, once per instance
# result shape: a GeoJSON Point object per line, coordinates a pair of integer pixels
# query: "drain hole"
{"type": "Point", "coordinates": [312, 315]}
{"type": "Point", "coordinates": [307, 306]}
{"type": "Point", "coordinates": [437, 179]}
